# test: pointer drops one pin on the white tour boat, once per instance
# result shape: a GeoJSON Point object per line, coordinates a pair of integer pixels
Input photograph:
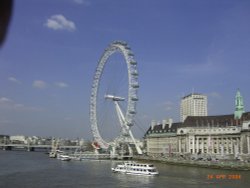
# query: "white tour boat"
{"type": "Point", "coordinates": [63, 157]}
{"type": "Point", "coordinates": [136, 169]}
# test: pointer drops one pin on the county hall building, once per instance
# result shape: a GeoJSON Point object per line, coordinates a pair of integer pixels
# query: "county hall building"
{"type": "Point", "coordinates": [224, 136]}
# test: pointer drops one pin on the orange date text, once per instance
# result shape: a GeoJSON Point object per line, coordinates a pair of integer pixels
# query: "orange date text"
{"type": "Point", "coordinates": [224, 176]}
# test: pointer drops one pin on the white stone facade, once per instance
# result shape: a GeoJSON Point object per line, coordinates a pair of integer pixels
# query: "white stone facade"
{"type": "Point", "coordinates": [214, 140]}
{"type": "Point", "coordinates": [224, 142]}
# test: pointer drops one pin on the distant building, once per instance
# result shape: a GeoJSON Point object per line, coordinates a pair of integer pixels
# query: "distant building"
{"type": "Point", "coordinates": [18, 139]}
{"type": "Point", "coordinates": [4, 138]}
{"type": "Point", "coordinates": [193, 105]}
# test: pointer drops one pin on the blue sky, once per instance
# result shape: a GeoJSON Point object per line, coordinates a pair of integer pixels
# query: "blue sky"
{"type": "Point", "coordinates": [50, 54]}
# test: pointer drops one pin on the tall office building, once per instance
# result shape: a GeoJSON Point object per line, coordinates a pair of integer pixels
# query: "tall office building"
{"type": "Point", "coordinates": [193, 105]}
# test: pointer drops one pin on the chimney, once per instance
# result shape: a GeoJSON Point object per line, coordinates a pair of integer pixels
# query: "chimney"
{"type": "Point", "coordinates": [170, 122]}
{"type": "Point", "coordinates": [164, 122]}
{"type": "Point", "coordinates": [152, 124]}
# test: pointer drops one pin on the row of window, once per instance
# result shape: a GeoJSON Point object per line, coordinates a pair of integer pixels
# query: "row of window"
{"type": "Point", "coordinates": [230, 150]}
{"type": "Point", "coordinates": [136, 169]}
{"type": "Point", "coordinates": [224, 138]}
{"type": "Point", "coordinates": [162, 131]}
{"type": "Point", "coordinates": [213, 143]}
{"type": "Point", "coordinates": [209, 130]}
{"type": "Point", "coordinates": [142, 170]}
{"type": "Point", "coordinates": [140, 165]}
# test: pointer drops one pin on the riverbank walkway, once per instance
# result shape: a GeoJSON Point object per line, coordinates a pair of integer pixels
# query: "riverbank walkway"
{"type": "Point", "coordinates": [221, 164]}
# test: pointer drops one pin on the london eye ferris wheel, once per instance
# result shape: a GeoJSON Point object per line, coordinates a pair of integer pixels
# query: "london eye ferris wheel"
{"type": "Point", "coordinates": [123, 101]}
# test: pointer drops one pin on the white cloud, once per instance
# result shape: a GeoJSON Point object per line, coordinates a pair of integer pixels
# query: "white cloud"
{"type": "Point", "coordinates": [214, 95]}
{"type": "Point", "coordinates": [82, 2]}
{"type": "Point", "coordinates": [61, 84]}
{"type": "Point", "coordinates": [59, 22]}
{"type": "Point", "coordinates": [18, 105]}
{"type": "Point", "coordinates": [9, 104]}
{"type": "Point", "coordinates": [198, 68]}
{"type": "Point", "coordinates": [14, 80]}
{"type": "Point", "coordinates": [40, 84]}
{"type": "Point", "coordinates": [168, 105]}
{"type": "Point", "coordinates": [211, 65]}
{"type": "Point", "coordinates": [5, 100]}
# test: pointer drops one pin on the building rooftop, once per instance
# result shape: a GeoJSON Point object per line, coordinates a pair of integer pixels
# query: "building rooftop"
{"type": "Point", "coordinates": [215, 121]}
{"type": "Point", "coordinates": [166, 128]}
{"type": "Point", "coordinates": [201, 121]}
{"type": "Point", "coordinates": [193, 94]}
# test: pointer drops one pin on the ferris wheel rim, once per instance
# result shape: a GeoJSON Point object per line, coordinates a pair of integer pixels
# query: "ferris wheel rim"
{"type": "Point", "coordinates": [124, 49]}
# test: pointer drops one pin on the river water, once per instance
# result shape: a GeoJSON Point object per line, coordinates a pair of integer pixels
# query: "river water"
{"type": "Point", "coordinates": [37, 170]}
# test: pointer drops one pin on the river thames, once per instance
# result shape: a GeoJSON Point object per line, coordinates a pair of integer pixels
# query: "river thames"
{"type": "Point", "coordinates": [36, 169]}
